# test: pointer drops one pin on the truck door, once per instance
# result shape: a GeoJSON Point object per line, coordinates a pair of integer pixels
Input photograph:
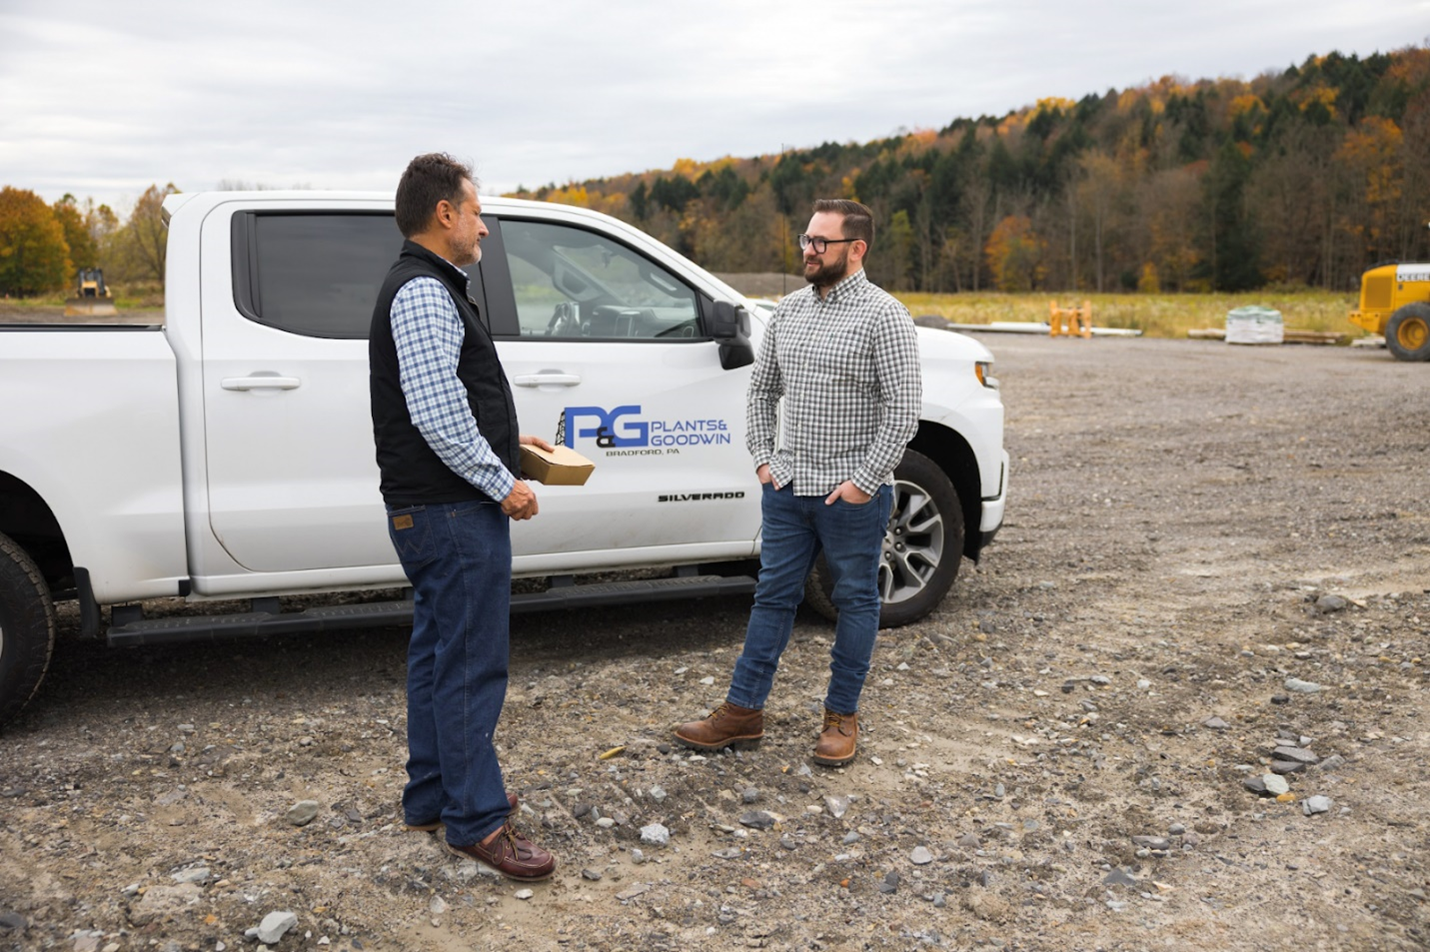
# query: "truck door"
{"type": "Point", "coordinates": [607, 352]}
{"type": "Point", "coordinates": [292, 478]}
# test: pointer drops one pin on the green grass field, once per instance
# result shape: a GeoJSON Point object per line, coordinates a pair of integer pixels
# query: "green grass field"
{"type": "Point", "coordinates": [1155, 315]}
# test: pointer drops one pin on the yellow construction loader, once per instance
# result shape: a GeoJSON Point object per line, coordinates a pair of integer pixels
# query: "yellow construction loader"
{"type": "Point", "coordinates": [92, 298]}
{"type": "Point", "coordinates": [1395, 301]}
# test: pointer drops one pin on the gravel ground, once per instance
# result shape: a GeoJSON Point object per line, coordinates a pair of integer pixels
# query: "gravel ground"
{"type": "Point", "coordinates": [1198, 536]}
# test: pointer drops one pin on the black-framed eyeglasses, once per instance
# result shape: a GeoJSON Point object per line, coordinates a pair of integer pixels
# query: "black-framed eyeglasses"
{"type": "Point", "coordinates": [820, 244]}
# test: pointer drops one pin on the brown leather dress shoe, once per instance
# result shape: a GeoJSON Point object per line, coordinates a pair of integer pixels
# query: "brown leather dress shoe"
{"type": "Point", "coordinates": [727, 725]}
{"type": "Point", "coordinates": [429, 826]}
{"type": "Point", "coordinates": [511, 854]}
{"type": "Point", "coordinates": [837, 740]}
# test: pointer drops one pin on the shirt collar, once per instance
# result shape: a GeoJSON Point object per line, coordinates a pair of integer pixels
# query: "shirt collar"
{"type": "Point", "coordinates": [848, 284]}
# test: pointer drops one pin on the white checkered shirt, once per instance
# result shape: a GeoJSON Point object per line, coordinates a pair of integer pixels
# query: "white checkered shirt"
{"type": "Point", "coordinates": [836, 389]}
{"type": "Point", "coordinates": [428, 332]}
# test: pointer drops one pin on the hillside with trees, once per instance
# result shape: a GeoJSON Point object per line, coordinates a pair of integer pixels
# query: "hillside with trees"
{"type": "Point", "coordinates": [1299, 178]}
{"type": "Point", "coordinates": [1302, 178]}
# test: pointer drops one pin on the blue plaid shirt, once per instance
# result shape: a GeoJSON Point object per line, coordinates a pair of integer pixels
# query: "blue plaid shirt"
{"type": "Point", "coordinates": [429, 332]}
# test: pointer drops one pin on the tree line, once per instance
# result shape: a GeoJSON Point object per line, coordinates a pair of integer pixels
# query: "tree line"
{"type": "Point", "coordinates": [43, 245]}
{"type": "Point", "coordinates": [1300, 178]}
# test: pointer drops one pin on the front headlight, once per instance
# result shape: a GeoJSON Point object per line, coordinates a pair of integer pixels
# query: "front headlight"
{"type": "Point", "coordinates": [983, 369]}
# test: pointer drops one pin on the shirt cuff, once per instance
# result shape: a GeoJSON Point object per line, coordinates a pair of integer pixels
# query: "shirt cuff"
{"type": "Point", "coordinates": [499, 486]}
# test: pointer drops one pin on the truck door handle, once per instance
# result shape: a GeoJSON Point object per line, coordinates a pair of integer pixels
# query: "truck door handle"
{"type": "Point", "coordinates": [546, 378]}
{"type": "Point", "coordinates": [261, 382]}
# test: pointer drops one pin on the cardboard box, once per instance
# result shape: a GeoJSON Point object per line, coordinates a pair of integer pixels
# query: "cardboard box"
{"type": "Point", "coordinates": [560, 466]}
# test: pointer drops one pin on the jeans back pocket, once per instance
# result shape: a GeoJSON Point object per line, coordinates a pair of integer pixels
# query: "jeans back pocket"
{"type": "Point", "coordinates": [411, 533]}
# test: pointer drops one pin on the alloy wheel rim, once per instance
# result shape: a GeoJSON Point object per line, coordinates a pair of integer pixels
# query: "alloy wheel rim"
{"type": "Point", "coordinates": [913, 543]}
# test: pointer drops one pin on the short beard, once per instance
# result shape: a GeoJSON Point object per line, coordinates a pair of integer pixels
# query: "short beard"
{"type": "Point", "coordinates": [829, 273]}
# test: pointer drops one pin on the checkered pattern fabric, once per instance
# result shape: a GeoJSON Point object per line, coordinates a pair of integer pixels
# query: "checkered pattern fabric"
{"type": "Point", "coordinates": [428, 333]}
{"type": "Point", "coordinates": [836, 389]}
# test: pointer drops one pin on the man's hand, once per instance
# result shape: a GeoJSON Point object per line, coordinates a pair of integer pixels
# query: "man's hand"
{"type": "Point", "coordinates": [520, 503]}
{"type": "Point", "coordinates": [849, 493]}
{"type": "Point", "coordinates": [763, 472]}
{"type": "Point", "coordinates": [536, 441]}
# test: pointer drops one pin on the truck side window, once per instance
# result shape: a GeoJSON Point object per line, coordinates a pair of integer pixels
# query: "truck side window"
{"type": "Point", "coordinates": [571, 283]}
{"type": "Point", "coordinates": [313, 274]}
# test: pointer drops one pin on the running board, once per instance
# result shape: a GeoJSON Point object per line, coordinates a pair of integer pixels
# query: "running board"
{"type": "Point", "coordinates": [134, 630]}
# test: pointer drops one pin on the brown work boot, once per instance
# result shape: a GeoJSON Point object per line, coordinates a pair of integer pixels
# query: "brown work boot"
{"type": "Point", "coordinates": [837, 740]}
{"type": "Point", "coordinates": [431, 826]}
{"type": "Point", "coordinates": [511, 854]}
{"type": "Point", "coordinates": [727, 725]}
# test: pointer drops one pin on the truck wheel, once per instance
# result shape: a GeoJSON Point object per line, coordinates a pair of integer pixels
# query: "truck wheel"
{"type": "Point", "coordinates": [923, 546]}
{"type": "Point", "coordinates": [1407, 333]}
{"type": "Point", "coordinates": [27, 628]}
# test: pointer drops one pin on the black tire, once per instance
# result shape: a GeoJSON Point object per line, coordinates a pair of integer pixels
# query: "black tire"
{"type": "Point", "coordinates": [923, 547]}
{"type": "Point", "coordinates": [1407, 333]}
{"type": "Point", "coordinates": [27, 628]}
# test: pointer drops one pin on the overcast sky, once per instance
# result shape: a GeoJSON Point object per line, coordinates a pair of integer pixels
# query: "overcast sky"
{"type": "Point", "coordinates": [102, 98]}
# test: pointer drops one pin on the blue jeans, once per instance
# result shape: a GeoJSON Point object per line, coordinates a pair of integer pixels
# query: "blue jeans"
{"type": "Point", "coordinates": [795, 530]}
{"type": "Point", "coordinates": [458, 559]}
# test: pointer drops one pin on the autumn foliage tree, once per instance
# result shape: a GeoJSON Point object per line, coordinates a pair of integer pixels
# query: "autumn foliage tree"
{"type": "Point", "coordinates": [1015, 254]}
{"type": "Point", "coordinates": [34, 257]}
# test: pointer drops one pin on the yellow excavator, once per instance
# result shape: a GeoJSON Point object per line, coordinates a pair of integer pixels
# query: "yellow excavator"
{"type": "Point", "coordinates": [91, 298]}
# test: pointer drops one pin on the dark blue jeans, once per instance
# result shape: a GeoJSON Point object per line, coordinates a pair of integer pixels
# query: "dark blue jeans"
{"type": "Point", "coordinates": [795, 530]}
{"type": "Point", "coordinates": [458, 558]}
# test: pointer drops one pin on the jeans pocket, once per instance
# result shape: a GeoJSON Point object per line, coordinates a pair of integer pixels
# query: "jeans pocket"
{"type": "Point", "coordinates": [411, 533]}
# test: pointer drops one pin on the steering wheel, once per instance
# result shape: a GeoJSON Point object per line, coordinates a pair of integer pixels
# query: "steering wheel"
{"type": "Point", "coordinates": [565, 320]}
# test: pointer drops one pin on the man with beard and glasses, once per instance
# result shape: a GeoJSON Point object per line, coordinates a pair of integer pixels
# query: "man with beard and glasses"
{"type": "Point", "coordinates": [834, 398]}
{"type": "Point", "coordinates": [445, 427]}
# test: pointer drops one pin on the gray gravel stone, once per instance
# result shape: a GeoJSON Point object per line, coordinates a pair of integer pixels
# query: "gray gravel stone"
{"type": "Point", "coordinates": [274, 926]}
{"type": "Point", "coordinates": [1215, 724]}
{"type": "Point", "coordinates": [1333, 762]}
{"type": "Point", "coordinates": [1153, 842]}
{"type": "Point", "coordinates": [1317, 804]}
{"type": "Point", "coordinates": [1287, 766]}
{"type": "Point", "coordinates": [1275, 785]}
{"type": "Point", "coordinates": [758, 820]}
{"type": "Point", "coordinates": [655, 834]}
{"type": "Point", "coordinates": [1302, 687]}
{"type": "Point", "coordinates": [1119, 877]}
{"type": "Point", "coordinates": [1295, 753]}
{"type": "Point", "coordinates": [921, 856]}
{"type": "Point", "coordinates": [1327, 604]}
{"type": "Point", "coordinates": [837, 806]}
{"type": "Point", "coordinates": [302, 812]}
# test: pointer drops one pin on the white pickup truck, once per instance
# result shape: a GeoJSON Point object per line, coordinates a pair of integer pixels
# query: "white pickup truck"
{"type": "Point", "coordinates": [227, 453]}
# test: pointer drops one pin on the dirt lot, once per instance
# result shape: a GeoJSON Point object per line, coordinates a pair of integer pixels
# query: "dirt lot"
{"type": "Point", "coordinates": [1191, 526]}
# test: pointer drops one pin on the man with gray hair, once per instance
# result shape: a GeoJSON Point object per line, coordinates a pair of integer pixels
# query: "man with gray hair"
{"type": "Point", "coordinates": [445, 427]}
{"type": "Point", "coordinates": [838, 370]}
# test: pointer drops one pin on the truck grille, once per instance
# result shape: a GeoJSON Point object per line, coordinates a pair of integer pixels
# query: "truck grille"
{"type": "Point", "coordinates": [1377, 293]}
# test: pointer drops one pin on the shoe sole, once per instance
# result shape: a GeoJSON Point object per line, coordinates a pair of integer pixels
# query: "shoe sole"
{"type": "Point", "coordinates": [832, 762]}
{"type": "Point", "coordinates": [745, 742]}
{"type": "Point", "coordinates": [493, 870]}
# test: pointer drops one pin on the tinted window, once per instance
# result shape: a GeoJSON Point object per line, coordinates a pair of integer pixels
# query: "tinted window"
{"type": "Point", "coordinates": [574, 283]}
{"type": "Point", "coordinates": [318, 275]}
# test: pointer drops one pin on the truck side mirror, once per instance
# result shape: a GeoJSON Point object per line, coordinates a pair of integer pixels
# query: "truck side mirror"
{"type": "Point", "coordinates": [730, 325]}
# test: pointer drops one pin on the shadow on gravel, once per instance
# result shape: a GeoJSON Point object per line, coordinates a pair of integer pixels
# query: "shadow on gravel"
{"type": "Point", "coordinates": [90, 681]}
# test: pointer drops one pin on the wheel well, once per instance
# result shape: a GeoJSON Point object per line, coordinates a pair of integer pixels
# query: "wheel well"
{"type": "Point", "coordinates": [26, 518]}
{"type": "Point", "coordinates": [955, 457]}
